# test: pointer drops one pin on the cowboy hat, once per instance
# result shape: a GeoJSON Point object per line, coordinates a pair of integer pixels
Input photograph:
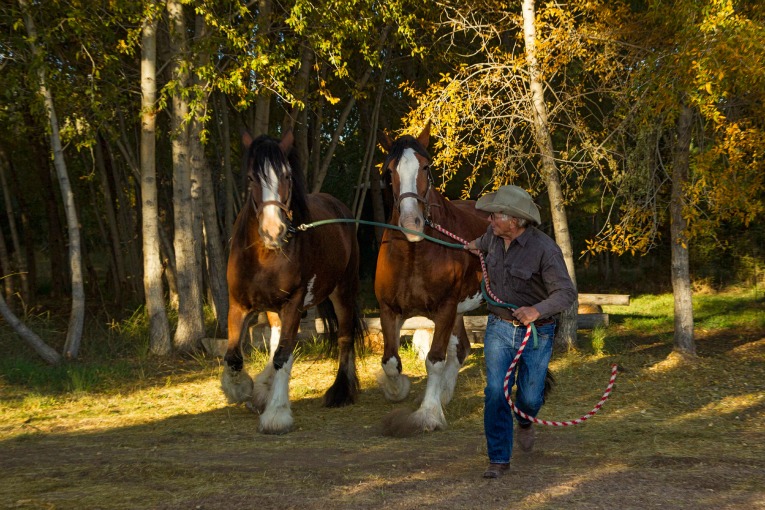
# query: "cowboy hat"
{"type": "Point", "coordinates": [511, 200]}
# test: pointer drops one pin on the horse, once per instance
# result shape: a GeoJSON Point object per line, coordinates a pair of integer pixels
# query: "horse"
{"type": "Point", "coordinates": [416, 277]}
{"type": "Point", "coordinates": [273, 267]}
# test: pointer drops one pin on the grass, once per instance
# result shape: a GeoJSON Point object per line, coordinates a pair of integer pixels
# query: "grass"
{"type": "Point", "coordinates": [132, 431]}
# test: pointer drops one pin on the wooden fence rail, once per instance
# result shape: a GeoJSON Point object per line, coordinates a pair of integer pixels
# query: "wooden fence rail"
{"type": "Point", "coordinates": [475, 325]}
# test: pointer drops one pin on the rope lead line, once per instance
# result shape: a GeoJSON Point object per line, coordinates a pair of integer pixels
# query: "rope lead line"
{"type": "Point", "coordinates": [490, 298]}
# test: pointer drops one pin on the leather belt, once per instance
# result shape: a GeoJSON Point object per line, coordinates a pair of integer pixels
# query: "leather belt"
{"type": "Point", "coordinates": [518, 324]}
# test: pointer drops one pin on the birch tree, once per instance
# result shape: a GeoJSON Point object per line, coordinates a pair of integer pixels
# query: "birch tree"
{"type": "Point", "coordinates": [567, 332]}
{"type": "Point", "coordinates": [159, 329]}
{"type": "Point", "coordinates": [77, 316]}
{"type": "Point", "coordinates": [190, 329]}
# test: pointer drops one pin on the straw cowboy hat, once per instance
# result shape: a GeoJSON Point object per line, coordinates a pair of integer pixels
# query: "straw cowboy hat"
{"type": "Point", "coordinates": [511, 200]}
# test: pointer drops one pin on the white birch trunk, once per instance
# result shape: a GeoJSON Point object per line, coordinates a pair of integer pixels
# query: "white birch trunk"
{"type": "Point", "coordinates": [77, 317]}
{"type": "Point", "coordinates": [159, 328]}
{"type": "Point", "coordinates": [566, 334]}
{"type": "Point", "coordinates": [190, 328]}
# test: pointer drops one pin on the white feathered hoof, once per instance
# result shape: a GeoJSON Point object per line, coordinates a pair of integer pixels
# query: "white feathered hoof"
{"type": "Point", "coordinates": [236, 385]}
{"type": "Point", "coordinates": [394, 388]}
{"type": "Point", "coordinates": [261, 388]}
{"type": "Point", "coordinates": [428, 419]}
{"type": "Point", "coordinates": [276, 421]}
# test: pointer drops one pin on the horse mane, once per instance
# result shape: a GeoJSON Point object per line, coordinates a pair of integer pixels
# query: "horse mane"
{"type": "Point", "coordinates": [403, 143]}
{"type": "Point", "coordinates": [266, 149]}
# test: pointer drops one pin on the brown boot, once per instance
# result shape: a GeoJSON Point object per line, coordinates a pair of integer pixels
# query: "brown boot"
{"type": "Point", "coordinates": [495, 470]}
{"type": "Point", "coordinates": [526, 438]}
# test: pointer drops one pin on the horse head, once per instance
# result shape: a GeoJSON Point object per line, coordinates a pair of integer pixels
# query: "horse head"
{"type": "Point", "coordinates": [272, 186]}
{"type": "Point", "coordinates": [408, 162]}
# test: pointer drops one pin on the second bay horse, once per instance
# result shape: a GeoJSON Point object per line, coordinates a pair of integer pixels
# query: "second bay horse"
{"type": "Point", "coordinates": [418, 277]}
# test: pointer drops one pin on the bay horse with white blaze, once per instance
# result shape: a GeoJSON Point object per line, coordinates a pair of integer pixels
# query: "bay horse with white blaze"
{"type": "Point", "coordinates": [419, 277]}
{"type": "Point", "coordinates": [274, 268]}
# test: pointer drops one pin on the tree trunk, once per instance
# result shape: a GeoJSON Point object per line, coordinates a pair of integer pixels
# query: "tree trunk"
{"type": "Point", "coordinates": [28, 232]}
{"type": "Point", "coordinates": [204, 197]}
{"type": "Point", "coordinates": [18, 257]}
{"type": "Point", "coordinates": [681, 277]}
{"type": "Point", "coordinates": [77, 317]}
{"type": "Point", "coordinates": [6, 267]}
{"type": "Point", "coordinates": [159, 328]}
{"type": "Point", "coordinates": [111, 221]}
{"type": "Point", "coordinates": [364, 181]}
{"type": "Point", "coordinates": [59, 271]}
{"type": "Point", "coordinates": [44, 350]}
{"type": "Point", "coordinates": [567, 328]}
{"type": "Point", "coordinates": [301, 127]}
{"type": "Point", "coordinates": [230, 187]}
{"type": "Point", "coordinates": [190, 328]}
{"type": "Point", "coordinates": [263, 101]}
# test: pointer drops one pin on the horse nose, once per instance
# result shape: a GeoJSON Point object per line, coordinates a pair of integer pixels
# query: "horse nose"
{"type": "Point", "coordinates": [418, 222]}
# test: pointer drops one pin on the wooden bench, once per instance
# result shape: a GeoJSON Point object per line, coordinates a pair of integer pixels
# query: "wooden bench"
{"type": "Point", "coordinates": [591, 320]}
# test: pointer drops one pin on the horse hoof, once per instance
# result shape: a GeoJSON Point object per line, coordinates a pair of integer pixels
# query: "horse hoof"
{"type": "Point", "coordinates": [396, 388]}
{"type": "Point", "coordinates": [236, 385]}
{"type": "Point", "coordinates": [275, 422]}
{"type": "Point", "coordinates": [428, 420]}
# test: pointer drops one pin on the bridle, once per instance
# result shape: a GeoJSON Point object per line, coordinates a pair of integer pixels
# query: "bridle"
{"type": "Point", "coordinates": [285, 206]}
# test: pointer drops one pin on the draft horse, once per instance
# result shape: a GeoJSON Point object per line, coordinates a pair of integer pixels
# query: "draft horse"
{"type": "Point", "coordinates": [419, 277]}
{"type": "Point", "coordinates": [274, 268]}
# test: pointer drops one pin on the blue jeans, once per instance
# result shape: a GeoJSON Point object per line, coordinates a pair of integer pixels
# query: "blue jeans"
{"type": "Point", "coordinates": [500, 346]}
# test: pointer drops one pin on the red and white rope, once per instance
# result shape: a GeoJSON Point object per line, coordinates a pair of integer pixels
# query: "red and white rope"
{"type": "Point", "coordinates": [506, 387]}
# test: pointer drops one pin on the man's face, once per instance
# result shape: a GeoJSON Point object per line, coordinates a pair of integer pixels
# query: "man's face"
{"type": "Point", "coordinates": [503, 225]}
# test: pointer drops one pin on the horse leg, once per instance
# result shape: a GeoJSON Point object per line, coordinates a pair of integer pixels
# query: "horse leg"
{"type": "Point", "coordinates": [264, 380]}
{"type": "Point", "coordinates": [430, 415]}
{"type": "Point", "coordinates": [455, 357]}
{"type": "Point", "coordinates": [235, 381]}
{"type": "Point", "coordinates": [345, 389]}
{"type": "Point", "coordinates": [277, 415]}
{"type": "Point", "coordinates": [394, 384]}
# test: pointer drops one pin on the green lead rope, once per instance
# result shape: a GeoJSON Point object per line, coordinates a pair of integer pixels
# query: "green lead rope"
{"type": "Point", "coordinates": [306, 226]}
{"type": "Point", "coordinates": [486, 297]}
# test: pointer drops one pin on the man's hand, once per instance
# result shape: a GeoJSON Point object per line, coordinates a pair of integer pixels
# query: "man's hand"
{"type": "Point", "coordinates": [526, 314]}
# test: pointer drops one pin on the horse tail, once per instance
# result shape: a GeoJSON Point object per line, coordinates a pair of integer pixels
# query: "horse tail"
{"type": "Point", "coordinates": [359, 330]}
{"type": "Point", "coordinates": [328, 317]}
{"type": "Point", "coordinates": [345, 389]}
{"type": "Point", "coordinates": [549, 383]}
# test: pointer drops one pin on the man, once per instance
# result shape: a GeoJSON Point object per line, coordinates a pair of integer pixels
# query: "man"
{"type": "Point", "coordinates": [526, 269]}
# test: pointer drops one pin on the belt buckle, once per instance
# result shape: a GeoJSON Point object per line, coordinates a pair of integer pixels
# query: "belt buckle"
{"type": "Point", "coordinates": [516, 323]}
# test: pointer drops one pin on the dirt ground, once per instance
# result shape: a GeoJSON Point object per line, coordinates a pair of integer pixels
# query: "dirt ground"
{"type": "Point", "coordinates": [670, 437]}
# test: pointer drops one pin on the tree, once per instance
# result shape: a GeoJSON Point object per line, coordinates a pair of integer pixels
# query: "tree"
{"type": "Point", "coordinates": [567, 332]}
{"type": "Point", "coordinates": [691, 115]}
{"type": "Point", "coordinates": [187, 245]}
{"type": "Point", "coordinates": [77, 316]}
{"type": "Point", "coordinates": [159, 329]}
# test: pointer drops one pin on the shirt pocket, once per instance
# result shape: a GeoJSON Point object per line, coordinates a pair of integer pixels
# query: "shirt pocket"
{"type": "Point", "coordinates": [519, 279]}
{"type": "Point", "coordinates": [493, 265]}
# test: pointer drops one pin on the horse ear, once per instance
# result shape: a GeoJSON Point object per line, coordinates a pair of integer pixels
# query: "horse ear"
{"type": "Point", "coordinates": [287, 140]}
{"type": "Point", "coordinates": [246, 139]}
{"type": "Point", "coordinates": [384, 140]}
{"type": "Point", "coordinates": [424, 137]}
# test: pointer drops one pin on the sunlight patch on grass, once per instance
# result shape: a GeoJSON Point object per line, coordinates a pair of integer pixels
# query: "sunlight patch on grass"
{"type": "Point", "coordinates": [729, 405]}
{"type": "Point", "coordinates": [569, 486]}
